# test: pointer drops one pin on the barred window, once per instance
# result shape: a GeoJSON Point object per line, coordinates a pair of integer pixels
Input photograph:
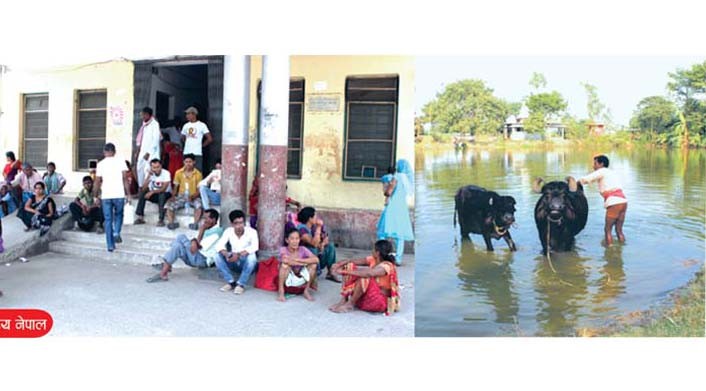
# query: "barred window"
{"type": "Point", "coordinates": [91, 125]}
{"type": "Point", "coordinates": [371, 126]}
{"type": "Point", "coordinates": [36, 129]}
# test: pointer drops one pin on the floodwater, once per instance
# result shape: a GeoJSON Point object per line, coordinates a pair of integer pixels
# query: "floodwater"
{"type": "Point", "coordinates": [463, 290]}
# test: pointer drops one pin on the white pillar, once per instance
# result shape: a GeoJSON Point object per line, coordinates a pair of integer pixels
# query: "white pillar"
{"type": "Point", "coordinates": [274, 129]}
{"type": "Point", "coordinates": [274, 106]}
{"type": "Point", "coordinates": [236, 118]}
{"type": "Point", "coordinates": [236, 99]}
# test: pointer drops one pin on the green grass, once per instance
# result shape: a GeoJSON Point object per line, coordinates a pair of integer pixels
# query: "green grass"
{"type": "Point", "coordinates": [684, 318]}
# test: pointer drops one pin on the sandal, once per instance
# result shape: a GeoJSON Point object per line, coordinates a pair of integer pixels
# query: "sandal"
{"type": "Point", "coordinates": [156, 278]}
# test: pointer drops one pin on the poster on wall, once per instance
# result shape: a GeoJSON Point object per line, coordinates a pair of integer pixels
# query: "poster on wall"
{"type": "Point", "coordinates": [117, 115]}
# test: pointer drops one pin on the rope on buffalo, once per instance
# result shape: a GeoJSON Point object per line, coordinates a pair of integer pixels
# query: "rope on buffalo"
{"type": "Point", "coordinates": [549, 256]}
{"type": "Point", "coordinates": [549, 245]}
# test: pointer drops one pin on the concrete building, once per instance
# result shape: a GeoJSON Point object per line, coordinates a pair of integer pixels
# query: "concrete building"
{"type": "Point", "coordinates": [325, 128]}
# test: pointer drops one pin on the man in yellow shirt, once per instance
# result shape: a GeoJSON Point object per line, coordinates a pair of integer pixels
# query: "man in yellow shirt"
{"type": "Point", "coordinates": [186, 192]}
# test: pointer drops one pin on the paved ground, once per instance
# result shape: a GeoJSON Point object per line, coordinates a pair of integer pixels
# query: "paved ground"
{"type": "Point", "coordinates": [90, 298]}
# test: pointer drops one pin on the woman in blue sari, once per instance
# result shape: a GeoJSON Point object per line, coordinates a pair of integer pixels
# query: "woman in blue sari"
{"type": "Point", "coordinates": [394, 222]}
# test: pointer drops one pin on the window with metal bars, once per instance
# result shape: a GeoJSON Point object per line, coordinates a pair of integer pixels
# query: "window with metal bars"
{"type": "Point", "coordinates": [91, 114]}
{"type": "Point", "coordinates": [371, 126]}
{"type": "Point", "coordinates": [295, 144]}
{"type": "Point", "coordinates": [35, 141]}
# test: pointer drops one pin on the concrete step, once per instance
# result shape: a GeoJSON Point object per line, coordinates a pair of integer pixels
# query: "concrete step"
{"type": "Point", "coordinates": [151, 230]}
{"type": "Point", "coordinates": [146, 242]}
{"type": "Point", "coordinates": [97, 251]}
{"type": "Point", "coordinates": [152, 214]}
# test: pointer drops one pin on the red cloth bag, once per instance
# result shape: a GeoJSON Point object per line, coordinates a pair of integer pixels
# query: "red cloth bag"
{"type": "Point", "coordinates": [267, 274]}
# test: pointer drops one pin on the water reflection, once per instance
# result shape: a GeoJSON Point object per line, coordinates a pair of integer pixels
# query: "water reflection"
{"type": "Point", "coordinates": [489, 275]}
{"type": "Point", "coordinates": [611, 283]}
{"type": "Point", "coordinates": [561, 285]}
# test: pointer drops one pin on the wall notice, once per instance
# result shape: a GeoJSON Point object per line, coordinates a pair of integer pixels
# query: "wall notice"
{"type": "Point", "coordinates": [117, 115]}
{"type": "Point", "coordinates": [323, 102]}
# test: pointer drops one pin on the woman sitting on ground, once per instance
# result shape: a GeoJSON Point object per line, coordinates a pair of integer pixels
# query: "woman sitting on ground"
{"type": "Point", "coordinates": [39, 210]}
{"type": "Point", "coordinates": [296, 268]}
{"type": "Point", "coordinates": [369, 284]}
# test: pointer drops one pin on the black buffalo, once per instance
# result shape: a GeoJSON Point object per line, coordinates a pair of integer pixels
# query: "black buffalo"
{"type": "Point", "coordinates": [486, 213]}
{"type": "Point", "coordinates": [560, 214]}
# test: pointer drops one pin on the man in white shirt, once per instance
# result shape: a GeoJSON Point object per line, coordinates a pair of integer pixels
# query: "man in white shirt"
{"type": "Point", "coordinates": [148, 139]}
{"type": "Point", "coordinates": [157, 188]}
{"type": "Point", "coordinates": [241, 259]}
{"type": "Point", "coordinates": [210, 187]}
{"type": "Point", "coordinates": [193, 133]}
{"type": "Point", "coordinates": [611, 189]}
{"type": "Point", "coordinates": [111, 186]}
{"type": "Point", "coordinates": [199, 252]}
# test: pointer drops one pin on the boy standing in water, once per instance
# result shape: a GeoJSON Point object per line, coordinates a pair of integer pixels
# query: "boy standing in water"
{"type": "Point", "coordinates": [611, 189]}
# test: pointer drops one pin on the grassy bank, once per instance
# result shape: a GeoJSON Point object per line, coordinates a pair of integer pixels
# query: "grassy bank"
{"type": "Point", "coordinates": [682, 317]}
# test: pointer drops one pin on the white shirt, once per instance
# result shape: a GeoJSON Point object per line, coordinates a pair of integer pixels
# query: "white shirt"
{"type": "Point", "coordinates": [111, 170]}
{"type": "Point", "coordinates": [216, 184]}
{"type": "Point", "coordinates": [248, 242]}
{"type": "Point", "coordinates": [608, 180]}
{"type": "Point", "coordinates": [156, 181]}
{"type": "Point", "coordinates": [151, 136]}
{"type": "Point", "coordinates": [194, 132]}
{"type": "Point", "coordinates": [174, 135]}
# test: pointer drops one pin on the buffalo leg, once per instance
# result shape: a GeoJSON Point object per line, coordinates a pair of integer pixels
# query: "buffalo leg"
{"type": "Point", "coordinates": [509, 241]}
{"type": "Point", "coordinates": [488, 243]}
{"type": "Point", "coordinates": [543, 240]}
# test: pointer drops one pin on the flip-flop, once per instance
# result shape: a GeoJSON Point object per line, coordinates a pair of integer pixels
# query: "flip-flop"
{"type": "Point", "coordinates": [156, 278]}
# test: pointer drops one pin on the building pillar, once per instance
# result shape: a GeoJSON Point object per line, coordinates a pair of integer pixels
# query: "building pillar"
{"type": "Point", "coordinates": [234, 151]}
{"type": "Point", "coordinates": [272, 175]}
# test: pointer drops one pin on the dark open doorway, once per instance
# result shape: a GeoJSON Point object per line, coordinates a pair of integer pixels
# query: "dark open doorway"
{"type": "Point", "coordinates": [169, 86]}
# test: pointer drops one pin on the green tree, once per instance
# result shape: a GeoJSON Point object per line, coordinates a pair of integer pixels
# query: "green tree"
{"type": "Point", "coordinates": [541, 106]}
{"type": "Point", "coordinates": [688, 87]}
{"type": "Point", "coordinates": [537, 81]}
{"type": "Point", "coordinates": [466, 106]}
{"type": "Point", "coordinates": [595, 108]}
{"type": "Point", "coordinates": [654, 114]}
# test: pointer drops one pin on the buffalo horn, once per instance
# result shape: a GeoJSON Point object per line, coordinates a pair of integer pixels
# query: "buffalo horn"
{"type": "Point", "coordinates": [572, 183]}
{"type": "Point", "coordinates": [537, 185]}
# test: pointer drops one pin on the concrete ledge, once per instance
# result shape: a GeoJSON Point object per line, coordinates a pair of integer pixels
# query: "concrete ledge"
{"type": "Point", "coordinates": [19, 243]}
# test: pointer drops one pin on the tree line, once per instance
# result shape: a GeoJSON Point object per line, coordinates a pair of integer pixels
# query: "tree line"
{"type": "Point", "coordinates": [676, 119]}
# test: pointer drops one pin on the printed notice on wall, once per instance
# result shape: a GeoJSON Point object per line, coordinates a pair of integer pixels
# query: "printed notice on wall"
{"type": "Point", "coordinates": [323, 102]}
{"type": "Point", "coordinates": [117, 115]}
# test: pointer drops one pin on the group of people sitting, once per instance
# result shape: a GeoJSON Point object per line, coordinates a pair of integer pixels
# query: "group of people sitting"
{"type": "Point", "coordinates": [369, 284]}
{"type": "Point", "coordinates": [25, 190]}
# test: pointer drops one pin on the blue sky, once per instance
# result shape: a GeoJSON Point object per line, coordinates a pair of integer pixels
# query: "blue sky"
{"type": "Point", "coordinates": [621, 81]}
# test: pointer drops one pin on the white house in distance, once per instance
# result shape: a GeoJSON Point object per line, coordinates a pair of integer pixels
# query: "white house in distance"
{"type": "Point", "coordinates": [514, 127]}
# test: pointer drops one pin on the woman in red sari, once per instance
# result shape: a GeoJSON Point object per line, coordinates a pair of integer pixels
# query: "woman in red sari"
{"type": "Point", "coordinates": [369, 284]}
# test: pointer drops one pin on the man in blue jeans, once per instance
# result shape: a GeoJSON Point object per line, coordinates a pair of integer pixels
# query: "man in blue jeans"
{"type": "Point", "coordinates": [199, 252]}
{"type": "Point", "coordinates": [111, 187]}
{"type": "Point", "coordinates": [241, 258]}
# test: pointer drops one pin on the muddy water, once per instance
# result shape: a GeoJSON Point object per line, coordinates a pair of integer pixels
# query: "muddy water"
{"type": "Point", "coordinates": [463, 290]}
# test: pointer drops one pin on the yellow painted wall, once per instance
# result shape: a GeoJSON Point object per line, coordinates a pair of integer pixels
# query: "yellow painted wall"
{"type": "Point", "coordinates": [322, 183]}
{"type": "Point", "coordinates": [61, 84]}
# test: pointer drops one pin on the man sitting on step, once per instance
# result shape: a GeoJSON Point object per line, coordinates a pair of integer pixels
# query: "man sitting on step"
{"type": "Point", "coordinates": [86, 209]}
{"type": "Point", "coordinates": [198, 252]}
{"type": "Point", "coordinates": [157, 188]}
{"type": "Point", "coordinates": [186, 182]}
